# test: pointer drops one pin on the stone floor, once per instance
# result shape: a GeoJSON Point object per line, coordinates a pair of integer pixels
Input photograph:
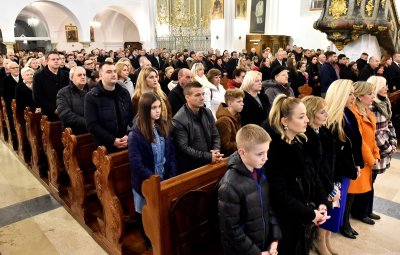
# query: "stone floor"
{"type": "Point", "coordinates": [32, 222]}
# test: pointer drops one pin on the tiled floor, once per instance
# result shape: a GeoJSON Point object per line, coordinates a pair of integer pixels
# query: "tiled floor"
{"type": "Point", "coordinates": [31, 222]}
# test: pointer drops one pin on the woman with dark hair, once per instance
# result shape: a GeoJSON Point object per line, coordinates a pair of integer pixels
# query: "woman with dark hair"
{"type": "Point", "coordinates": [151, 150]}
{"type": "Point", "coordinates": [219, 64]}
{"type": "Point", "coordinates": [354, 71]}
{"type": "Point", "coordinates": [313, 74]}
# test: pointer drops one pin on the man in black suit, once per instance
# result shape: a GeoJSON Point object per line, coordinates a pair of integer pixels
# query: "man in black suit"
{"type": "Point", "coordinates": [369, 70]}
{"type": "Point", "coordinates": [396, 71]}
{"type": "Point", "coordinates": [362, 61]}
{"type": "Point", "coordinates": [175, 97]}
{"type": "Point", "coordinates": [232, 64]}
{"type": "Point", "coordinates": [156, 61]}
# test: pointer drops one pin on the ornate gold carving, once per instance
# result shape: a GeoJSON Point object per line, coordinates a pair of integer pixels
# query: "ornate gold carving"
{"type": "Point", "coordinates": [369, 26]}
{"type": "Point", "coordinates": [369, 8]}
{"type": "Point", "coordinates": [358, 2]}
{"type": "Point", "coordinates": [338, 8]}
{"type": "Point", "coordinates": [358, 27]}
{"type": "Point", "coordinates": [382, 28]}
{"type": "Point", "coordinates": [339, 45]}
{"type": "Point", "coordinates": [331, 25]}
{"type": "Point", "coordinates": [383, 2]}
{"type": "Point", "coordinates": [355, 36]}
{"type": "Point", "coordinates": [392, 24]}
{"type": "Point", "coordinates": [336, 35]}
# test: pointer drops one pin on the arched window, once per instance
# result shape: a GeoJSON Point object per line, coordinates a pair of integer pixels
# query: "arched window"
{"type": "Point", "coordinates": [316, 5]}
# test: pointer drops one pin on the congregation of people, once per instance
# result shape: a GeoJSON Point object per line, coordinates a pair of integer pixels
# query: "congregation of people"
{"type": "Point", "coordinates": [300, 164]}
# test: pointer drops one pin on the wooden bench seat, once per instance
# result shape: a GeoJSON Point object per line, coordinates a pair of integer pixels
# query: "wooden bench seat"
{"type": "Point", "coordinates": [85, 204]}
{"type": "Point", "coordinates": [53, 148]}
{"type": "Point", "coordinates": [11, 139]}
{"type": "Point", "coordinates": [24, 151]}
{"type": "Point", "coordinates": [34, 134]}
{"type": "Point", "coordinates": [161, 198]}
{"type": "Point", "coordinates": [119, 231]}
{"type": "Point", "coordinates": [3, 128]}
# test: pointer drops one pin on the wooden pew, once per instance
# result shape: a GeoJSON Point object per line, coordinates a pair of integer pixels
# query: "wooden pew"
{"type": "Point", "coordinates": [119, 231]}
{"type": "Point", "coordinates": [52, 146]}
{"type": "Point", "coordinates": [34, 134]}
{"type": "Point", "coordinates": [85, 205]}
{"type": "Point", "coordinates": [10, 139]}
{"type": "Point", "coordinates": [3, 128]}
{"type": "Point", "coordinates": [161, 196]}
{"type": "Point", "coordinates": [23, 146]}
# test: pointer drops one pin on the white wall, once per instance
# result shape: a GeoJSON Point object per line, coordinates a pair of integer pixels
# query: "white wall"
{"type": "Point", "coordinates": [58, 13]}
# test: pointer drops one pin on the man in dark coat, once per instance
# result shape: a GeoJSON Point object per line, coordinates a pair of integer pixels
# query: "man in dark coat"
{"type": "Point", "coordinates": [194, 132]}
{"type": "Point", "coordinates": [156, 61]}
{"type": "Point", "coordinates": [345, 71]}
{"type": "Point", "coordinates": [9, 83]}
{"type": "Point", "coordinates": [362, 61]}
{"type": "Point", "coordinates": [232, 64]}
{"type": "Point", "coordinates": [328, 72]}
{"type": "Point", "coordinates": [46, 84]}
{"type": "Point", "coordinates": [175, 97]}
{"type": "Point", "coordinates": [70, 101]}
{"type": "Point", "coordinates": [395, 67]}
{"type": "Point", "coordinates": [369, 70]}
{"type": "Point", "coordinates": [279, 61]}
{"type": "Point", "coordinates": [108, 111]}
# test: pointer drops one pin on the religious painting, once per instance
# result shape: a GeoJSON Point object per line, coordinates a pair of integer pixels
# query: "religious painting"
{"type": "Point", "coordinates": [217, 7]}
{"type": "Point", "coordinates": [71, 33]}
{"type": "Point", "coordinates": [91, 34]}
{"type": "Point", "coordinates": [257, 16]}
{"type": "Point", "coordinates": [240, 9]}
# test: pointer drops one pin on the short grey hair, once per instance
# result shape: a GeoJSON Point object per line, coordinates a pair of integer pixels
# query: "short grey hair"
{"type": "Point", "coordinates": [26, 69]}
{"type": "Point", "coordinates": [73, 70]}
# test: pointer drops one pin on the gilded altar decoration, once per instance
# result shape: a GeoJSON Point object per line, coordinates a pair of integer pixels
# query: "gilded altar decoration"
{"type": "Point", "coordinates": [382, 28]}
{"type": "Point", "coordinates": [358, 2]}
{"type": "Point", "coordinates": [358, 27]}
{"type": "Point", "coordinates": [355, 36]}
{"type": "Point", "coordinates": [336, 35]}
{"type": "Point", "coordinates": [369, 7]}
{"type": "Point", "coordinates": [338, 8]}
{"type": "Point", "coordinates": [370, 26]}
{"type": "Point", "coordinates": [383, 2]}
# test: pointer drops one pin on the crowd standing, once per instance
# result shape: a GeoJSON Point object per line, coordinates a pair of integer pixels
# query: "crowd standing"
{"type": "Point", "coordinates": [300, 163]}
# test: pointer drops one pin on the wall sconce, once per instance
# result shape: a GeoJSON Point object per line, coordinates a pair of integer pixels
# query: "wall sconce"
{"type": "Point", "coordinates": [240, 38]}
{"type": "Point", "coordinates": [217, 37]}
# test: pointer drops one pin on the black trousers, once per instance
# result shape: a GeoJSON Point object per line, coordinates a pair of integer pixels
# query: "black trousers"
{"type": "Point", "coordinates": [364, 202]}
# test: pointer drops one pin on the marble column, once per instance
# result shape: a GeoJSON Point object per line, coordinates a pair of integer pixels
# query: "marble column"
{"type": "Point", "coordinates": [9, 46]}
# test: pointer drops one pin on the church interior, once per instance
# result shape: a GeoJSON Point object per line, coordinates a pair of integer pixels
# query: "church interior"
{"type": "Point", "coordinates": [59, 194]}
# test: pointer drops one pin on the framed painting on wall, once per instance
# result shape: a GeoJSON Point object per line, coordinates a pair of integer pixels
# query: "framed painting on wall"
{"type": "Point", "coordinates": [71, 33]}
{"type": "Point", "coordinates": [217, 7]}
{"type": "Point", "coordinates": [240, 9]}
{"type": "Point", "coordinates": [257, 16]}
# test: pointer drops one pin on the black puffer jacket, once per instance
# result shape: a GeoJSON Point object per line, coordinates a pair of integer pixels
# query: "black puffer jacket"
{"type": "Point", "coordinates": [247, 222]}
{"type": "Point", "coordinates": [103, 120]}
{"type": "Point", "coordinates": [188, 141]}
{"type": "Point", "coordinates": [70, 108]}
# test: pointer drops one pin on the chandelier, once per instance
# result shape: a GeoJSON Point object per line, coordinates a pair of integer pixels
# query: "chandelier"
{"type": "Point", "coordinates": [95, 24]}
{"type": "Point", "coordinates": [33, 21]}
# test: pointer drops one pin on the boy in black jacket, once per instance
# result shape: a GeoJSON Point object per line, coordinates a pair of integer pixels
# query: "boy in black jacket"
{"type": "Point", "coordinates": [247, 223]}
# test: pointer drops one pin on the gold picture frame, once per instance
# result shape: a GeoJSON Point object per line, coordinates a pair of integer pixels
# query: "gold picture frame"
{"type": "Point", "coordinates": [91, 34]}
{"type": "Point", "coordinates": [217, 9]}
{"type": "Point", "coordinates": [71, 33]}
{"type": "Point", "coordinates": [240, 9]}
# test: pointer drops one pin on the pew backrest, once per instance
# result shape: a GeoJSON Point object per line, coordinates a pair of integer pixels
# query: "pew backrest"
{"type": "Point", "coordinates": [161, 196]}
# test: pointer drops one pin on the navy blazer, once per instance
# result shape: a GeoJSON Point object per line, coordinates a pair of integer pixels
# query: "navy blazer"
{"type": "Point", "coordinates": [141, 159]}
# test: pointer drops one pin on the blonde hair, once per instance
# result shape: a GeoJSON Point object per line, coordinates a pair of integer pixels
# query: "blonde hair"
{"type": "Point", "coordinates": [127, 62]}
{"type": "Point", "coordinates": [195, 67]}
{"type": "Point", "coordinates": [336, 99]}
{"type": "Point", "coordinates": [251, 135]}
{"type": "Point", "coordinates": [282, 107]}
{"type": "Point", "coordinates": [141, 86]}
{"type": "Point", "coordinates": [362, 88]}
{"type": "Point", "coordinates": [28, 63]}
{"type": "Point", "coordinates": [119, 66]}
{"type": "Point", "coordinates": [249, 80]}
{"type": "Point", "coordinates": [379, 83]}
{"type": "Point", "coordinates": [313, 105]}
